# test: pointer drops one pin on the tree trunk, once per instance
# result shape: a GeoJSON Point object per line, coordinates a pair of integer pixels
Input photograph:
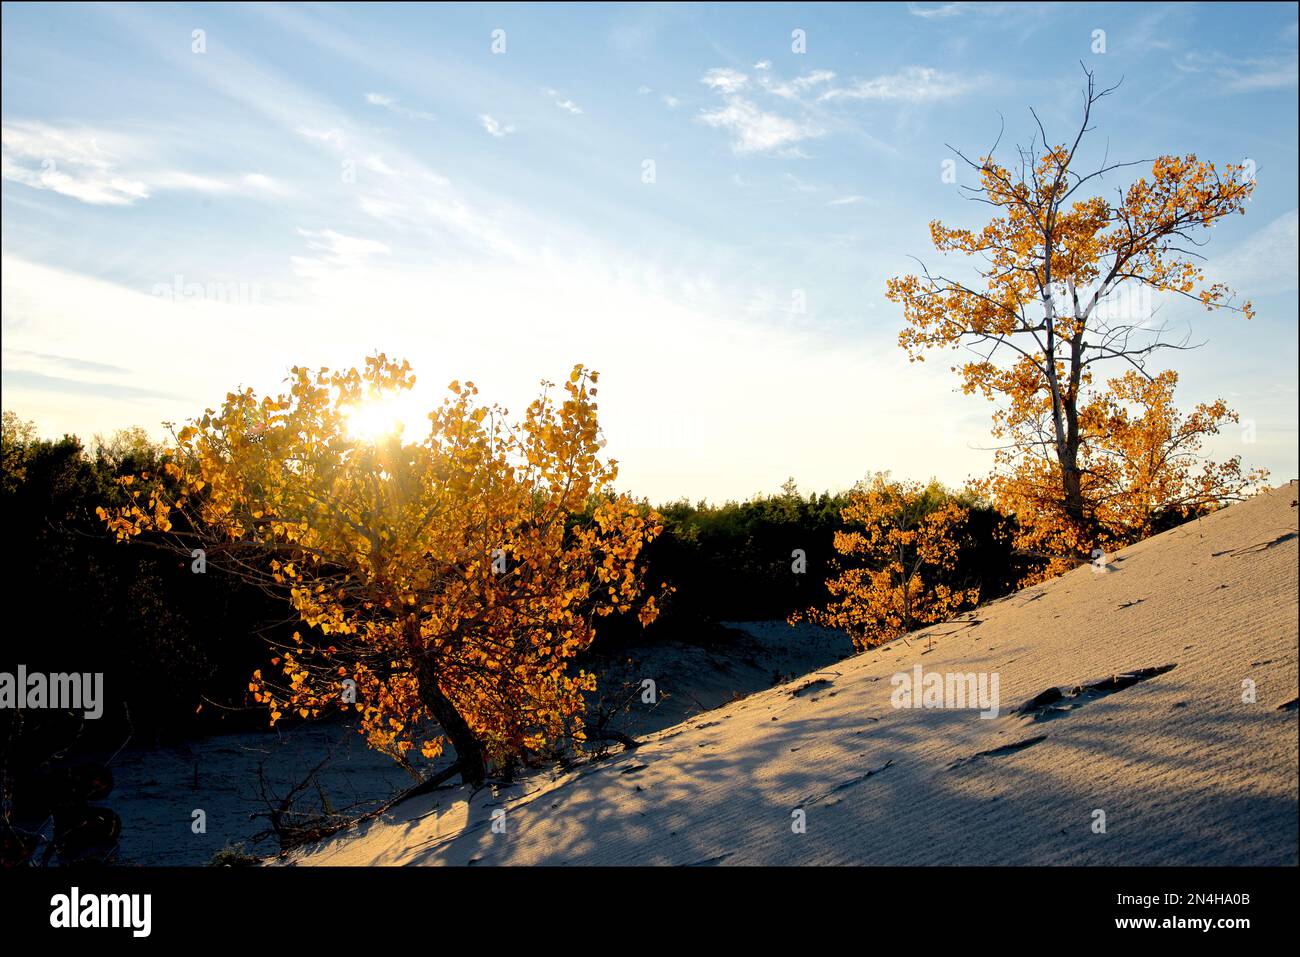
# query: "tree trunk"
{"type": "Point", "coordinates": [1072, 486]}
{"type": "Point", "coordinates": [1072, 489]}
{"type": "Point", "coordinates": [469, 750]}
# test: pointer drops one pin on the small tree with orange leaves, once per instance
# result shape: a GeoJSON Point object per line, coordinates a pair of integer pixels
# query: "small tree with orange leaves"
{"type": "Point", "coordinates": [904, 538]}
{"type": "Point", "coordinates": [1141, 464]}
{"type": "Point", "coordinates": [1147, 465]}
{"type": "Point", "coordinates": [1059, 271]}
{"type": "Point", "coordinates": [445, 581]}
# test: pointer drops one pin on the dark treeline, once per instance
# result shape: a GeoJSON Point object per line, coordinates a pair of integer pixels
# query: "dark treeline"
{"type": "Point", "coordinates": [164, 638]}
{"type": "Point", "coordinates": [736, 561]}
{"type": "Point", "coordinates": [177, 648]}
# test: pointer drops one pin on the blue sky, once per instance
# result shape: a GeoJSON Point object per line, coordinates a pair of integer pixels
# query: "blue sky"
{"type": "Point", "coordinates": [321, 182]}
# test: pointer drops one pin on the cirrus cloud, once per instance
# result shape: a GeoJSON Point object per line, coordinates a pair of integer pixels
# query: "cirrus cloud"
{"type": "Point", "coordinates": [912, 85]}
{"type": "Point", "coordinates": [103, 169]}
{"type": "Point", "coordinates": [753, 129]}
{"type": "Point", "coordinates": [494, 126]}
{"type": "Point", "coordinates": [756, 131]}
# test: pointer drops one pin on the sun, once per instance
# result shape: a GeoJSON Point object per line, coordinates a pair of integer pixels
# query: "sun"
{"type": "Point", "coordinates": [382, 417]}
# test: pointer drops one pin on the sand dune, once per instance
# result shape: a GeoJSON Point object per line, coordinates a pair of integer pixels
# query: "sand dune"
{"type": "Point", "coordinates": [1185, 770]}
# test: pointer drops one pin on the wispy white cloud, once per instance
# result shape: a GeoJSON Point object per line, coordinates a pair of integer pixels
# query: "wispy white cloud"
{"type": "Point", "coordinates": [102, 169]}
{"type": "Point", "coordinates": [1244, 74]}
{"type": "Point", "coordinates": [758, 109]}
{"type": "Point", "coordinates": [417, 201]}
{"type": "Point", "coordinates": [80, 147]}
{"type": "Point", "coordinates": [756, 131]}
{"type": "Point", "coordinates": [793, 89]}
{"type": "Point", "coordinates": [391, 104]}
{"type": "Point", "coordinates": [940, 11]}
{"type": "Point", "coordinates": [262, 182]}
{"type": "Point", "coordinates": [1264, 77]}
{"type": "Point", "coordinates": [753, 129]}
{"type": "Point", "coordinates": [334, 251]}
{"type": "Point", "coordinates": [332, 136]}
{"type": "Point", "coordinates": [494, 126]}
{"type": "Point", "coordinates": [376, 164]}
{"type": "Point", "coordinates": [563, 102]}
{"type": "Point", "coordinates": [725, 80]}
{"type": "Point", "coordinates": [176, 179]}
{"type": "Point", "coordinates": [106, 191]}
{"type": "Point", "coordinates": [944, 11]}
{"type": "Point", "coordinates": [801, 186]}
{"type": "Point", "coordinates": [73, 163]}
{"type": "Point", "coordinates": [848, 201]}
{"type": "Point", "coordinates": [914, 84]}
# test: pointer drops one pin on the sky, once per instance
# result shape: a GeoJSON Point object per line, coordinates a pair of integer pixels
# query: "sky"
{"type": "Point", "coordinates": [703, 202]}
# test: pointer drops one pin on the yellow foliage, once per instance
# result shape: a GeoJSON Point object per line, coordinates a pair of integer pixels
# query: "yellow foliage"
{"type": "Point", "coordinates": [900, 542]}
{"type": "Point", "coordinates": [1063, 278]}
{"type": "Point", "coordinates": [457, 575]}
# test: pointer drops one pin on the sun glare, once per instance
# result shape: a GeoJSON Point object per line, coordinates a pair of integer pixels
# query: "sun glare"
{"type": "Point", "coordinates": [380, 418]}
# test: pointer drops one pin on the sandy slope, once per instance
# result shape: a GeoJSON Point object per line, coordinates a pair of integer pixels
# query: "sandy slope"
{"type": "Point", "coordinates": [1185, 771]}
{"type": "Point", "coordinates": [695, 678]}
{"type": "Point", "coordinates": [158, 788]}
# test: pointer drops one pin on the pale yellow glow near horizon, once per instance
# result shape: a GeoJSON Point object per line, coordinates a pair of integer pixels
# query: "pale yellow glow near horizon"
{"type": "Point", "coordinates": [742, 409]}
